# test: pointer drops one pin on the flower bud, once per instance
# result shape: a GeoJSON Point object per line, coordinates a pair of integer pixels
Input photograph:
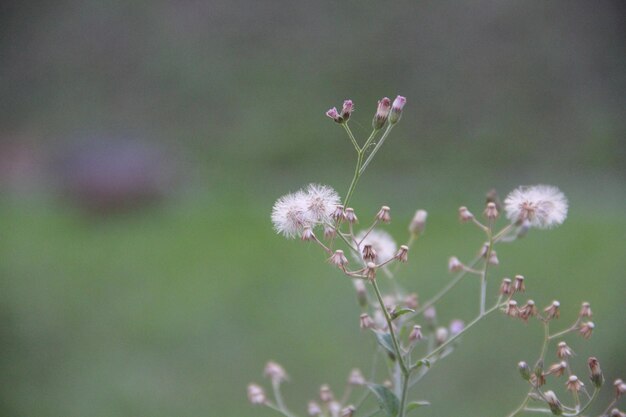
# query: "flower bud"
{"type": "Point", "coordinates": [369, 253]}
{"type": "Point", "coordinates": [396, 109]}
{"type": "Point", "coordinates": [350, 216]}
{"type": "Point", "coordinates": [356, 377]}
{"type": "Point", "coordinates": [454, 265]}
{"type": "Point", "coordinates": [493, 258]}
{"type": "Point", "coordinates": [339, 213]}
{"type": "Point", "coordinates": [326, 395]}
{"type": "Point", "coordinates": [519, 284]}
{"type": "Point", "coordinates": [456, 327]}
{"type": "Point", "coordinates": [505, 287]}
{"type": "Point", "coordinates": [557, 369]}
{"type": "Point", "coordinates": [528, 310]}
{"type": "Point", "coordinates": [616, 413]}
{"type": "Point", "coordinates": [620, 387]}
{"type": "Point", "coordinates": [334, 114]}
{"type": "Point", "coordinates": [334, 408]}
{"type": "Point", "coordinates": [365, 321]}
{"type": "Point", "coordinates": [416, 333]}
{"type": "Point", "coordinates": [275, 372]}
{"type": "Point", "coordinates": [403, 254]}
{"type": "Point", "coordinates": [329, 232]}
{"type": "Point", "coordinates": [553, 402]}
{"type": "Point", "coordinates": [491, 211]}
{"type": "Point", "coordinates": [382, 113]}
{"type": "Point", "coordinates": [307, 234]}
{"type": "Point", "coordinates": [574, 384]}
{"type": "Point", "coordinates": [563, 351]}
{"type": "Point", "coordinates": [441, 335]}
{"type": "Point", "coordinates": [585, 310]}
{"type": "Point", "coordinates": [418, 224]}
{"type": "Point", "coordinates": [256, 395]}
{"type": "Point", "coordinates": [524, 370]}
{"type": "Point", "coordinates": [595, 375]}
{"type": "Point", "coordinates": [464, 214]}
{"type": "Point", "coordinates": [553, 310]}
{"type": "Point", "coordinates": [346, 110]}
{"type": "Point", "coordinates": [370, 271]}
{"type": "Point", "coordinates": [313, 409]}
{"type": "Point", "coordinates": [338, 259]}
{"type": "Point", "coordinates": [383, 214]}
{"type": "Point", "coordinates": [586, 329]}
{"type": "Point", "coordinates": [348, 411]}
{"type": "Point", "coordinates": [511, 309]}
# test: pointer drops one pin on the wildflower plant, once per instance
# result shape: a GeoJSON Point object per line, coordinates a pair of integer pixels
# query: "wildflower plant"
{"type": "Point", "coordinates": [410, 337]}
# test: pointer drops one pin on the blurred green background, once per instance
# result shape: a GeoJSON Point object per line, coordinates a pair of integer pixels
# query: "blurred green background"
{"type": "Point", "coordinates": [142, 145]}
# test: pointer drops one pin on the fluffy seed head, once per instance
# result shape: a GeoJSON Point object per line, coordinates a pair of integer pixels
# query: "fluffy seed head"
{"type": "Point", "coordinates": [320, 202]}
{"type": "Point", "coordinates": [544, 206]}
{"type": "Point", "coordinates": [289, 214]}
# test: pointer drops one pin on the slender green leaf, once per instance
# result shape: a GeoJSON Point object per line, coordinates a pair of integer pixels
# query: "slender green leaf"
{"type": "Point", "coordinates": [387, 400]}
{"type": "Point", "coordinates": [384, 339]}
{"type": "Point", "coordinates": [416, 404]}
{"type": "Point", "coordinates": [400, 312]}
{"type": "Point", "coordinates": [421, 363]}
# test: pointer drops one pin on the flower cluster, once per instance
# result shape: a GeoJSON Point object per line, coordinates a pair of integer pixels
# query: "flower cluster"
{"type": "Point", "coordinates": [408, 331]}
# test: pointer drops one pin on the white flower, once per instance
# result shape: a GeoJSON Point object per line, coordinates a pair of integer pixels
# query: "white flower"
{"type": "Point", "coordinates": [381, 242]}
{"type": "Point", "coordinates": [289, 214]}
{"type": "Point", "coordinates": [544, 206]}
{"type": "Point", "coordinates": [320, 201]}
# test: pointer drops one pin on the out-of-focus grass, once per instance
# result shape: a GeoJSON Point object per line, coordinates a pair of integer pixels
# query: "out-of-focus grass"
{"type": "Point", "coordinates": [171, 311]}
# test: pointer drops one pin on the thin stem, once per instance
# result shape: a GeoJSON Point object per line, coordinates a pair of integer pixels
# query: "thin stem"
{"type": "Point", "coordinates": [355, 178]}
{"type": "Point", "coordinates": [349, 132]}
{"type": "Point", "coordinates": [394, 339]}
{"type": "Point", "coordinates": [445, 289]}
{"type": "Point", "coordinates": [376, 148]}
{"type": "Point", "coordinates": [279, 397]}
{"type": "Point", "coordinates": [456, 336]}
{"type": "Point", "coordinates": [405, 389]}
{"type": "Point", "coordinates": [280, 410]}
{"type": "Point", "coordinates": [564, 332]}
{"type": "Point", "coordinates": [483, 277]}
{"type": "Point", "coordinates": [596, 391]}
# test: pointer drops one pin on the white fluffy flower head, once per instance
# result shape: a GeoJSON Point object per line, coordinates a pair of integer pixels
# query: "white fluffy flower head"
{"type": "Point", "coordinates": [381, 242]}
{"type": "Point", "coordinates": [543, 206]}
{"type": "Point", "coordinates": [320, 202]}
{"type": "Point", "coordinates": [288, 214]}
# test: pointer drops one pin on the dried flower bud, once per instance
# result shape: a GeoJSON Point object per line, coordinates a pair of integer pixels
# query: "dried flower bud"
{"type": "Point", "coordinates": [350, 216]}
{"type": "Point", "coordinates": [484, 250]}
{"type": "Point", "coordinates": [454, 265]}
{"type": "Point", "coordinates": [418, 224]}
{"type": "Point", "coordinates": [339, 213]}
{"type": "Point", "coordinates": [416, 333]}
{"type": "Point", "coordinates": [464, 214]}
{"type": "Point", "coordinates": [403, 254]}
{"type": "Point", "coordinates": [553, 310]}
{"type": "Point", "coordinates": [346, 110]}
{"type": "Point", "coordinates": [326, 395]}
{"type": "Point", "coordinates": [441, 335]}
{"type": "Point", "coordinates": [492, 197]}
{"type": "Point", "coordinates": [275, 372]}
{"type": "Point", "coordinates": [307, 234]}
{"type": "Point", "coordinates": [557, 369]}
{"type": "Point", "coordinates": [356, 377]}
{"type": "Point", "coordinates": [616, 413]}
{"type": "Point", "coordinates": [411, 301]}
{"type": "Point", "coordinates": [511, 309]}
{"type": "Point", "coordinates": [369, 253]}
{"type": "Point", "coordinates": [329, 232]}
{"type": "Point", "coordinates": [528, 310]}
{"type": "Point", "coordinates": [348, 411]}
{"type": "Point", "coordinates": [491, 211]}
{"type": "Point", "coordinates": [586, 329]}
{"type": "Point", "coordinates": [396, 109]}
{"type": "Point", "coordinates": [620, 387]}
{"type": "Point", "coordinates": [334, 408]}
{"type": "Point", "coordinates": [519, 284]}
{"type": "Point", "coordinates": [493, 258]}
{"type": "Point", "coordinates": [383, 215]}
{"type": "Point", "coordinates": [585, 310]}
{"type": "Point", "coordinates": [361, 292]}
{"type": "Point", "coordinates": [382, 113]}
{"type": "Point", "coordinates": [313, 409]}
{"type": "Point", "coordinates": [256, 395]}
{"type": "Point", "coordinates": [456, 327]}
{"type": "Point", "coordinates": [553, 402]}
{"type": "Point", "coordinates": [524, 370]}
{"type": "Point", "coordinates": [506, 287]}
{"type": "Point", "coordinates": [595, 375]}
{"type": "Point", "coordinates": [563, 351]}
{"type": "Point", "coordinates": [338, 259]}
{"type": "Point", "coordinates": [538, 377]}
{"type": "Point", "coordinates": [370, 271]}
{"type": "Point", "coordinates": [365, 321]}
{"type": "Point", "coordinates": [574, 384]}
{"type": "Point", "coordinates": [334, 114]}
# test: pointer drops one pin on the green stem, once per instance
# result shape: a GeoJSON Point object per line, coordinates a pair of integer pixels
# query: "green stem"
{"type": "Point", "coordinates": [349, 132]}
{"type": "Point", "coordinates": [376, 148]}
{"type": "Point", "coordinates": [483, 277]}
{"type": "Point", "coordinates": [394, 339]}
{"type": "Point", "coordinates": [405, 389]}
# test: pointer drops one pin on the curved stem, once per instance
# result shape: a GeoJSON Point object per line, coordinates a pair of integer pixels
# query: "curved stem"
{"type": "Point", "coordinates": [483, 277]}
{"type": "Point", "coordinates": [376, 148]}
{"type": "Point", "coordinates": [349, 132]}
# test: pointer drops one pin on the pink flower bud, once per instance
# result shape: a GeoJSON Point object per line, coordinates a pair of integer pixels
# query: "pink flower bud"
{"type": "Point", "coordinates": [396, 109]}
{"type": "Point", "coordinates": [346, 110]}
{"type": "Point", "coordinates": [334, 114]}
{"type": "Point", "coordinates": [382, 113]}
